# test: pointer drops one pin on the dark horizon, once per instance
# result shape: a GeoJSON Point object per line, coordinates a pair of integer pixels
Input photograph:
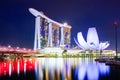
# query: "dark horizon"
{"type": "Point", "coordinates": [17, 24]}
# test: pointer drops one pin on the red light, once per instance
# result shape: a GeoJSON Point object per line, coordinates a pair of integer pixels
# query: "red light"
{"type": "Point", "coordinates": [17, 66]}
{"type": "Point", "coordinates": [115, 23]}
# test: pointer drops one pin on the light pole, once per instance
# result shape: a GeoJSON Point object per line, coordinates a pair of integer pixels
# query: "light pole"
{"type": "Point", "coordinates": [116, 25]}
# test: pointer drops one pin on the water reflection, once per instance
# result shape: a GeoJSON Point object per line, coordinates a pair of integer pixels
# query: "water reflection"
{"type": "Point", "coordinates": [15, 68]}
{"type": "Point", "coordinates": [69, 68]}
{"type": "Point", "coordinates": [52, 69]}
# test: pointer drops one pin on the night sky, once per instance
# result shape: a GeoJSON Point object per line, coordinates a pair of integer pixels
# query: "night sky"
{"type": "Point", "coordinates": [17, 24]}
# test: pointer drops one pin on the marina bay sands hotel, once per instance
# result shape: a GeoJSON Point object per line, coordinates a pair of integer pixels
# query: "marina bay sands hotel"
{"type": "Point", "coordinates": [49, 33]}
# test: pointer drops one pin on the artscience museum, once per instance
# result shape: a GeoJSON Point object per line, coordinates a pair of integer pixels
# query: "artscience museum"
{"type": "Point", "coordinates": [92, 42]}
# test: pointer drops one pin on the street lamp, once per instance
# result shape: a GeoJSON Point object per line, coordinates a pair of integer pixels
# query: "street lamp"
{"type": "Point", "coordinates": [116, 25]}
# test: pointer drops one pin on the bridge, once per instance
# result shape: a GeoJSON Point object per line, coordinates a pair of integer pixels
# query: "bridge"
{"type": "Point", "coordinates": [15, 51]}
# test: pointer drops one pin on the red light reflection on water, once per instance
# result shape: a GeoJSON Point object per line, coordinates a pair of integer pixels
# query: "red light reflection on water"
{"type": "Point", "coordinates": [16, 66]}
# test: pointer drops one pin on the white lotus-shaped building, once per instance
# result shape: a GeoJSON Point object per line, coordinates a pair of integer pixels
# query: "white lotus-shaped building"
{"type": "Point", "coordinates": [92, 42]}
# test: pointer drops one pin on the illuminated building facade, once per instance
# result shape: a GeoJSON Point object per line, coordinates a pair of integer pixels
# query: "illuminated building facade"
{"type": "Point", "coordinates": [49, 33]}
{"type": "Point", "coordinates": [92, 42]}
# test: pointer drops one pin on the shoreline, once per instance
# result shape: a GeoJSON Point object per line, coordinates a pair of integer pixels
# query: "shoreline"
{"type": "Point", "coordinates": [109, 61]}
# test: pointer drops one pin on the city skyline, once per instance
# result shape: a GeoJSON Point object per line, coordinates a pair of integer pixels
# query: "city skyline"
{"type": "Point", "coordinates": [17, 25]}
